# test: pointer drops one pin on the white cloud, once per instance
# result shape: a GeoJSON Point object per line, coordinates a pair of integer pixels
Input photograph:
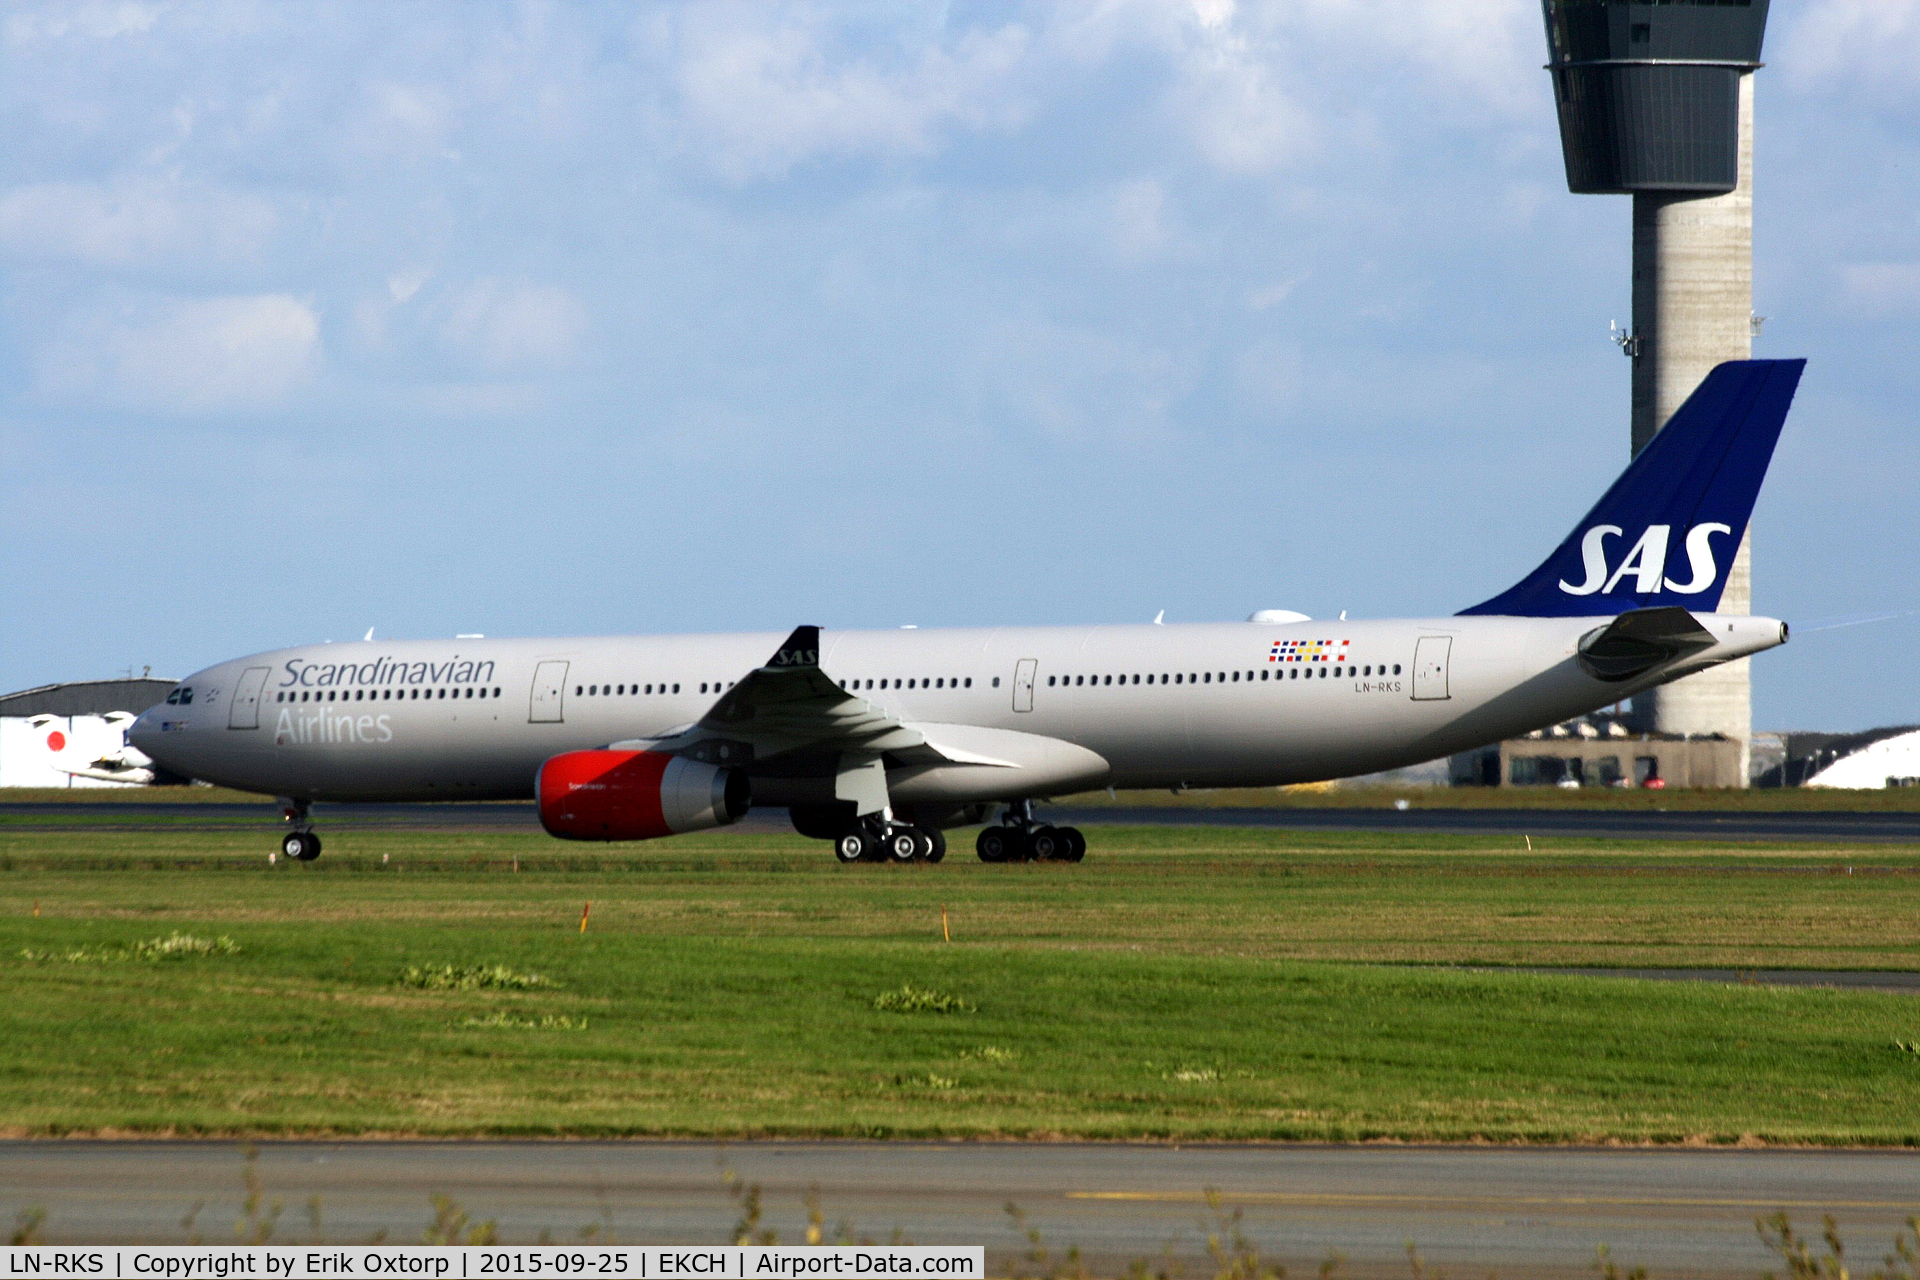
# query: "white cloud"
{"type": "Point", "coordinates": [402, 285]}
{"type": "Point", "coordinates": [507, 324]}
{"type": "Point", "coordinates": [1139, 227]}
{"type": "Point", "coordinates": [133, 220]}
{"type": "Point", "coordinates": [101, 21]}
{"type": "Point", "coordinates": [1263, 86]}
{"type": "Point", "coordinates": [1276, 293]}
{"type": "Point", "coordinates": [763, 98]}
{"type": "Point", "coordinates": [1241, 117]}
{"type": "Point", "coordinates": [1081, 383]}
{"type": "Point", "coordinates": [1882, 289]}
{"type": "Point", "coordinates": [185, 356]}
{"type": "Point", "coordinates": [475, 399]}
{"type": "Point", "coordinates": [406, 118]}
{"type": "Point", "coordinates": [1873, 43]}
{"type": "Point", "coordinates": [1271, 374]}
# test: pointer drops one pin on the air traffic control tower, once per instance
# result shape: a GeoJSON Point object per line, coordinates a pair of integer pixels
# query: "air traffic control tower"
{"type": "Point", "coordinates": [1656, 102]}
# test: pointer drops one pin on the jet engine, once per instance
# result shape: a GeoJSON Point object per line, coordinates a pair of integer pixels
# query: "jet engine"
{"type": "Point", "coordinates": [636, 795]}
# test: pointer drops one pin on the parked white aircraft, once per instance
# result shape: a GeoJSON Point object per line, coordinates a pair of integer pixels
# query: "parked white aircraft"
{"type": "Point", "coordinates": [876, 740]}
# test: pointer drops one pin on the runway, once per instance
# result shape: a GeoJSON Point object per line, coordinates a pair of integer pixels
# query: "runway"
{"type": "Point", "coordinates": [1601, 824]}
{"type": "Point", "coordinates": [1515, 1211]}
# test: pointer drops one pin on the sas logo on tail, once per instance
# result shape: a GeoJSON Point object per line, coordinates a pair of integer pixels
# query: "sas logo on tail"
{"type": "Point", "coordinates": [1645, 563]}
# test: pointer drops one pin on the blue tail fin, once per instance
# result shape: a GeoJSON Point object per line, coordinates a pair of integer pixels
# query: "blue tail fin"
{"type": "Point", "coordinates": [1665, 533]}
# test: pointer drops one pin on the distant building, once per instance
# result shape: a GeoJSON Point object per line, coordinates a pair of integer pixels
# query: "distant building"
{"type": "Point", "coordinates": [86, 698]}
{"type": "Point", "coordinates": [1601, 751]}
{"type": "Point", "coordinates": [1877, 758]}
{"type": "Point", "coordinates": [75, 735]}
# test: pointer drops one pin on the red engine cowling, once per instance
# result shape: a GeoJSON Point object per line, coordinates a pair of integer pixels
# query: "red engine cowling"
{"type": "Point", "coordinates": [636, 795]}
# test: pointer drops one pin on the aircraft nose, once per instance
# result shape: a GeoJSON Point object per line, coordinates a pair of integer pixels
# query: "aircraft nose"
{"type": "Point", "coordinates": [144, 732]}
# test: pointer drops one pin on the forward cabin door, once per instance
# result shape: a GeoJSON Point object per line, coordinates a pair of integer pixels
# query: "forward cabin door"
{"type": "Point", "coordinates": [244, 713]}
{"type": "Point", "coordinates": [1023, 683]}
{"type": "Point", "coordinates": [1430, 654]}
{"type": "Point", "coordinates": [546, 704]}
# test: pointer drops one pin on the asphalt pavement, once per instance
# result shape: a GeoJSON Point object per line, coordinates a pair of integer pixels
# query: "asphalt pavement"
{"type": "Point", "coordinates": [1746, 826]}
{"type": "Point", "coordinates": [1599, 824]}
{"type": "Point", "coordinates": [1467, 1210]}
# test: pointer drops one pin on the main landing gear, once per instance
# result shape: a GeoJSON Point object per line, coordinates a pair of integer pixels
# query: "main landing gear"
{"type": "Point", "coordinates": [878, 839]}
{"type": "Point", "coordinates": [300, 844]}
{"type": "Point", "coordinates": [1018, 838]}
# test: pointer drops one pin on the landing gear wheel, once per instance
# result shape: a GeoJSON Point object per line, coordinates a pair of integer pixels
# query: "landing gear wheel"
{"type": "Point", "coordinates": [903, 844]}
{"type": "Point", "coordinates": [1076, 844]}
{"type": "Point", "coordinates": [1046, 844]}
{"type": "Point", "coordinates": [851, 847]}
{"type": "Point", "coordinates": [301, 846]}
{"type": "Point", "coordinates": [936, 845]}
{"type": "Point", "coordinates": [994, 844]}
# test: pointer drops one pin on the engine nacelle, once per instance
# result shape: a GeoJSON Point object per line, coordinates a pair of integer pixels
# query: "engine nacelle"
{"type": "Point", "coordinates": [636, 795]}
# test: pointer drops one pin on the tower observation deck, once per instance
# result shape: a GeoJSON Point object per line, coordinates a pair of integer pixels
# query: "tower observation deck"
{"type": "Point", "coordinates": [1656, 102]}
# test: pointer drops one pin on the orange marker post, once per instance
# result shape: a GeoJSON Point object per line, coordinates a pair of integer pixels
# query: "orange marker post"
{"type": "Point", "coordinates": [943, 923]}
{"type": "Point", "coordinates": [583, 916]}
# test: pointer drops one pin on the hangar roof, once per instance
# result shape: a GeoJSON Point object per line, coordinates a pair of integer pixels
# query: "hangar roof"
{"type": "Point", "coordinates": [86, 698]}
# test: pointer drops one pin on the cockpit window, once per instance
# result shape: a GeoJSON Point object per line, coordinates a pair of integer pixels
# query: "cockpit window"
{"type": "Point", "coordinates": [181, 697]}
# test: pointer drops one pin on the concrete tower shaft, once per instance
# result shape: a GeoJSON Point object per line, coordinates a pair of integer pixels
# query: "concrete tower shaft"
{"type": "Point", "coordinates": [1692, 309]}
{"type": "Point", "coordinates": [1655, 99]}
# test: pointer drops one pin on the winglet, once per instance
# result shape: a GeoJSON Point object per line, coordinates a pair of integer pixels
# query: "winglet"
{"type": "Point", "coordinates": [801, 649]}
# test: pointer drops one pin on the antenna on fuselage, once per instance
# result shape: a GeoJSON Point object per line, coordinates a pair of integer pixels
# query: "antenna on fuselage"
{"type": "Point", "coordinates": [1160, 618]}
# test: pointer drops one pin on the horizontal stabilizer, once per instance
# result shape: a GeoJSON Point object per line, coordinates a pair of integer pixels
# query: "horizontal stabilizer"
{"type": "Point", "coordinates": [1638, 642]}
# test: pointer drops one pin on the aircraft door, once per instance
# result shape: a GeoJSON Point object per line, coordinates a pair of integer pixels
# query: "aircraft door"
{"type": "Point", "coordinates": [1430, 654]}
{"type": "Point", "coordinates": [1023, 683]}
{"type": "Point", "coordinates": [245, 711]}
{"type": "Point", "coordinates": [547, 702]}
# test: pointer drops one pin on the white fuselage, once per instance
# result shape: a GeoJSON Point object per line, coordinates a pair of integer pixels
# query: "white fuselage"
{"type": "Point", "coordinates": [1221, 704]}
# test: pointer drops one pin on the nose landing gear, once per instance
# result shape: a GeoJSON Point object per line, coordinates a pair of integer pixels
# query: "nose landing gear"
{"type": "Point", "coordinates": [1018, 838]}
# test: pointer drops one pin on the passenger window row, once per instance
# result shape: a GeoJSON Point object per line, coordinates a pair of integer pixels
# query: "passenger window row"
{"type": "Point", "coordinates": [1221, 677]}
{"type": "Point", "coordinates": [625, 690]}
{"type": "Point", "coordinates": [385, 695]}
{"type": "Point", "coordinates": [914, 682]}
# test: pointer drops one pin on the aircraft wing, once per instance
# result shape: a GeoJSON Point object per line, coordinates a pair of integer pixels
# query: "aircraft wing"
{"type": "Point", "coordinates": [790, 705]}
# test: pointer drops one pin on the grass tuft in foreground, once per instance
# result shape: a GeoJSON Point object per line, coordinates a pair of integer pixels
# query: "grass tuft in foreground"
{"type": "Point", "coordinates": [911, 999]}
{"type": "Point", "coordinates": [172, 946]}
{"type": "Point", "coordinates": [469, 977]}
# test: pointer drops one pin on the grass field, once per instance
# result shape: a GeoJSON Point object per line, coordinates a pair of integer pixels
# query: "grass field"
{"type": "Point", "coordinates": [1181, 983]}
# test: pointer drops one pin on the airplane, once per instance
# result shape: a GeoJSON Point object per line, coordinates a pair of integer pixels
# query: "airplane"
{"type": "Point", "coordinates": [124, 764]}
{"type": "Point", "coordinates": [879, 741]}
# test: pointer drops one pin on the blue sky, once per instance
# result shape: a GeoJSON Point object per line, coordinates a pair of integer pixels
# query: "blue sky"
{"type": "Point", "coordinates": [529, 319]}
